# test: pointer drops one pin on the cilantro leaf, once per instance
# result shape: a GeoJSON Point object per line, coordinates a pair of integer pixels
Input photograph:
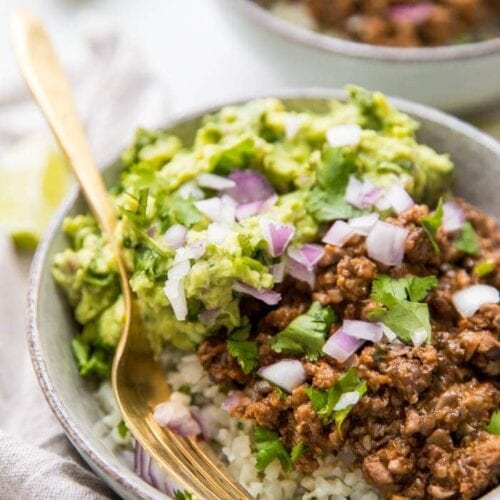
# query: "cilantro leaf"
{"type": "Point", "coordinates": [413, 288]}
{"type": "Point", "coordinates": [122, 429]}
{"type": "Point", "coordinates": [494, 426]}
{"type": "Point", "coordinates": [404, 314]}
{"type": "Point", "coordinates": [138, 216]}
{"type": "Point", "coordinates": [245, 352]}
{"type": "Point", "coordinates": [183, 495]}
{"type": "Point", "coordinates": [327, 202]}
{"type": "Point", "coordinates": [269, 447]}
{"type": "Point", "coordinates": [431, 223]}
{"type": "Point", "coordinates": [306, 333]}
{"type": "Point", "coordinates": [483, 268]}
{"type": "Point", "coordinates": [323, 402]}
{"type": "Point", "coordinates": [297, 452]}
{"type": "Point", "coordinates": [467, 240]}
{"type": "Point", "coordinates": [405, 317]}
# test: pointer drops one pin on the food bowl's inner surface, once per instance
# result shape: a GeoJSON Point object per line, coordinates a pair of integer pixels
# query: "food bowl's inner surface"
{"type": "Point", "coordinates": [402, 24]}
{"type": "Point", "coordinates": [477, 168]}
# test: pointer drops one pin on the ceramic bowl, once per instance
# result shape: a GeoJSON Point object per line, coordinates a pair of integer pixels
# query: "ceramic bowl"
{"type": "Point", "coordinates": [51, 326]}
{"type": "Point", "coordinates": [460, 78]}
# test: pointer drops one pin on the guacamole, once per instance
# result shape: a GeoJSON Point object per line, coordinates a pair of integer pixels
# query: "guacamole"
{"type": "Point", "coordinates": [195, 219]}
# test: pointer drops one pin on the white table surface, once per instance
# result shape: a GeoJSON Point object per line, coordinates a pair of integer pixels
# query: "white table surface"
{"type": "Point", "coordinates": [194, 45]}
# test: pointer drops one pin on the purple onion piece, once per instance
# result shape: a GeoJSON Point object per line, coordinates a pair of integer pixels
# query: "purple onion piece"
{"type": "Point", "coordinates": [277, 236]}
{"type": "Point", "coordinates": [399, 199]}
{"type": "Point", "coordinates": [209, 316]}
{"type": "Point", "coordinates": [363, 224]}
{"type": "Point", "coordinates": [175, 236]}
{"type": "Point", "coordinates": [233, 400]}
{"type": "Point", "coordinates": [386, 243]}
{"type": "Point", "coordinates": [453, 217]}
{"type": "Point", "coordinates": [300, 272]}
{"type": "Point", "coordinates": [362, 330]}
{"type": "Point", "coordinates": [287, 374]}
{"type": "Point", "coordinates": [250, 186]}
{"type": "Point", "coordinates": [176, 417]}
{"type": "Point", "coordinates": [339, 234]}
{"type": "Point", "coordinates": [341, 346]}
{"type": "Point", "coordinates": [267, 296]}
{"type": "Point", "coordinates": [414, 14]}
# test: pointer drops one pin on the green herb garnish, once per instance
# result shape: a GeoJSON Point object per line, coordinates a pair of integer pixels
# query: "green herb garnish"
{"type": "Point", "coordinates": [245, 352]}
{"type": "Point", "coordinates": [466, 241]}
{"type": "Point", "coordinates": [122, 429]}
{"type": "Point", "coordinates": [306, 333]}
{"type": "Point", "coordinates": [483, 268]}
{"type": "Point", "coordinates": [323, 402]}
{"type": "Point", "coordinates": [297, 452]}
{"type": "Point", "coordinates": [431, 223]}
{"type": "Point", "coordinates": [494, 426]}
{"type": "Point", "coordinates": [269, 447]}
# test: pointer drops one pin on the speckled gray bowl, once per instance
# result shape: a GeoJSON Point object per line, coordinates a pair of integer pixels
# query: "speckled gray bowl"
{"type": "Point", "coordinates": [51, 326]}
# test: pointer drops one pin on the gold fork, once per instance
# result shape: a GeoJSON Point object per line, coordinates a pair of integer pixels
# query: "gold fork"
{"type": "Point", "coordinates": [138, 380]}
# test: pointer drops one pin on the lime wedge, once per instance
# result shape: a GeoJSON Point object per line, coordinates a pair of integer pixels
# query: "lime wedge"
{"type": "Point", "coordinates": [34, 177]}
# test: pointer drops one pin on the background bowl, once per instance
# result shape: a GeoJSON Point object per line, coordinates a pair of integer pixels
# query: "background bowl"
{"type": "Point", "coordinates": [459, 78]}
{"type": "Point", "coordinates": [51, 326]}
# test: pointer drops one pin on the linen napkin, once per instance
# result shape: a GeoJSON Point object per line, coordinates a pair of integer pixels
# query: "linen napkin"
{"type": "Point", "coordinates": [116, 91]}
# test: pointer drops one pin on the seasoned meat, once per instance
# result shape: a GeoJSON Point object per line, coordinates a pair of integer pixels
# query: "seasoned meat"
{"type": "Point", "coordinates": [406, 23]}
{"type": "Point", "coordinates": [418, 432]}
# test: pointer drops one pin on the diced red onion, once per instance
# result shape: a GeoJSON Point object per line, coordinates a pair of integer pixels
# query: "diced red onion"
{"type": "Point", "coordinates": [389, 334]}
{"type": "Point", "coordinates": [300, 272]}
{"type": "Point", "coordinates": [148, 470]}
{"type": "Point", "coordinates": [363, 224]}
{"type": "Point", "coordinates": [245, 210]}
{"type": "Point", "coordinates": [399, 199]}
{"type": "Point", "coordinates": [233, 400]}
{"type": "Point", "coordinates": [343, 135]}
{"type": "Point", "coordinates": [267, 296]}
{"type": "Point", "coordinates": [308, 254]}
{"type": "Point", "coordinates": [419, 336]}
{"type": "Point", "coordinates": [176, 295]}
{"type": "Point", "coordinates": [278, 271]}
{"type": "Point", "coordinates": [287, 374]}
{"type": "Point", "coordinates": [341, 346]}
{"type": "Point", "coordinates": [176, 417]}
{"type": "Point", "coordinates": [209, 316]}
{"type": "Point", "coordinates": [200, 415]}
{"type": "Point", "coordinates": [453, 217]}
{"type": "Point", "coordinates": [362, 330]}
{"type": "Point", "coordinates": [179, 271]}
{"type": "Point", "coordinates": [339, 234]}
{"type": "Point", "coordinates": [217, 233]}
{"type": "Point", "coordinates": [362, 194]}
{"type": "Point", "coordinates": [346, 399]}
{"type": "Point", "coordinates": [194, 250]}
{"type": "Point", "coordinates": [386, 243]}
{"type": "Point", "coordinates": [215, 182]}
{"type": "Point", "coordinates": [415, 14]}
{"type": "Point", "coordinates": [277, 236]}
{"type": "Point", "coordinates": [250, 186]}
{"type": "Point", "coordinates": [210, 207]}
{"type": "Point", "coordinates": [175, 236]}
{"type": "Point", "coordinates": [470, 299]}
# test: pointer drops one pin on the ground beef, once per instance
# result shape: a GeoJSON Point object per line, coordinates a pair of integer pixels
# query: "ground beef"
{"type": "Point", "coordinates": [380, 22]}
{"type": "Point", "coordinates": [418, 432]}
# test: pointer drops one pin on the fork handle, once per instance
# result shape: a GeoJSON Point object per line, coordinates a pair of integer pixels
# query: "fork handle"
{"type": "Point", "coordinates": [50, 88]}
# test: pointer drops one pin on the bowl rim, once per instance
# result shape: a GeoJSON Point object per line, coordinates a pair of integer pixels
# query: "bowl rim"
{"type": "Point", "coordinates": [108, 472]}
{"type": "Point", "coordinates": [336, 45]}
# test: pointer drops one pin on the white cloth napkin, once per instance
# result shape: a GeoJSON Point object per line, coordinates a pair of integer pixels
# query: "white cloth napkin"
{"type": "Point", "coordinates": [115, 91]}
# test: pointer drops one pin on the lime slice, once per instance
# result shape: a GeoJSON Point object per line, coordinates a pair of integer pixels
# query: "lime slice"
{"type": "Point", "coordinates": [34, 177]}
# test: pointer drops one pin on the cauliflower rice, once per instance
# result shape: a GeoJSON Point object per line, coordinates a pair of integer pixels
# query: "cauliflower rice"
{"type": "Point", "coordinates": [335, 479]}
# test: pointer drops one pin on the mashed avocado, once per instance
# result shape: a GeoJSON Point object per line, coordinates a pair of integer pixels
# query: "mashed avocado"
{"type": "Point", "coordinates": [304, 174]}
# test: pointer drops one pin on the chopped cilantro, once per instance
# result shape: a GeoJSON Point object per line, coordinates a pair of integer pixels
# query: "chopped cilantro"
{"type": "Point", "coordinates": [182, 211]}
{"type": "Point", "coordinates": [245, 352]}
{"type": "Point", "coordinates": [431, 223]}
{"type": "Point", "coordinates": [494, 426]}
{"type": "Point", "coordinates": [281, 393]}
{"type": "Point", "coordinates": [183, 495]}
{"type": "Point", "coordinates": [466, 241]}
{"type": "Point", "coordinates": [243, 331]}
{"type": "Point", "coordinates": [185, 389]}
{"type": "Point", "coordinates": [297, 451]}
{"type": "Point", "coordinates": [269, 447]}
{"type": "Point", "coordinates": [327, 202]}
{"type": "Point", "coordinates": [385, 289]}
{"type": "Point", "coordinates": [483, 268]}
{"type": "Point", "coordinates": [404, 314]}
{"type": "Point", "coordinates": [138, 216]}
{"type": "Point", "coordinates": [306, 333]}
{"type": "Point", "coordinates": [122, 429]}
{"type": "Point", "coordinates": [323, 402]}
